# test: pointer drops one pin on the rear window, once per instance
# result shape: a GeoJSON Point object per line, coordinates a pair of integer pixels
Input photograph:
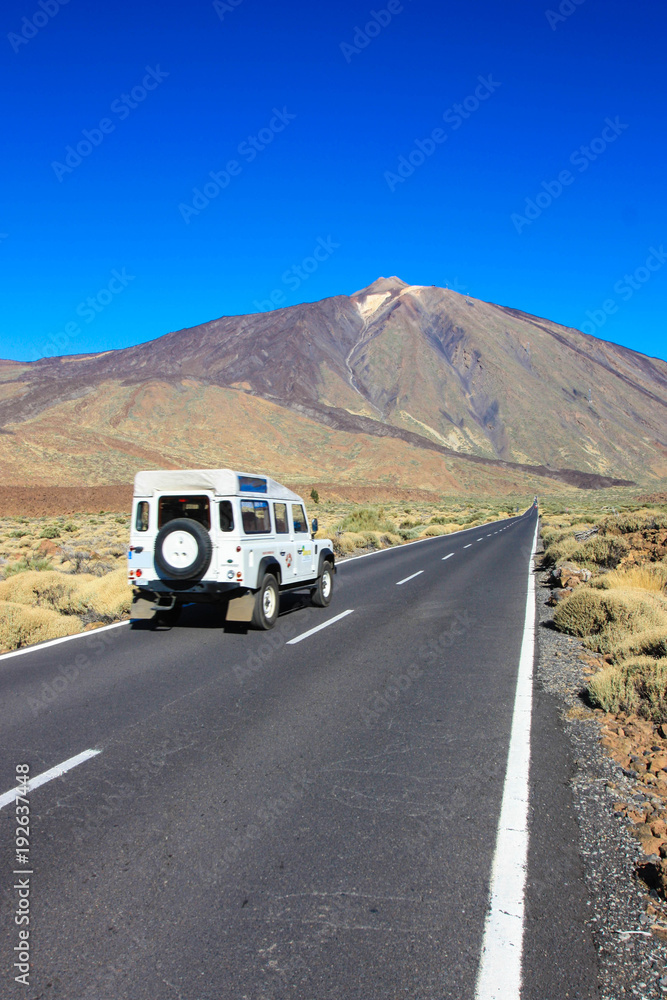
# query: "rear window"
{"type": "Point", "coordinates": [195, 508]}
{"type": "Point", "coordinates": [255, 516]}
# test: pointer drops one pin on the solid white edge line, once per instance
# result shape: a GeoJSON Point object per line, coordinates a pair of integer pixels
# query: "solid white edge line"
{"type": "Point", "coordinates": [418, 541]}
{"type": "Point", "coordinates": [447, 557]}
{"type": "Point", "coordinates": [500, 969]}
{"type": "Point", "coordinates": [312, 631]}
{"type": "Point", "coordinates": [418, 573]}
{"type": "Point", "coordinates": [65, 638]}
{"type": "Point", "coordinates": [41, 779]}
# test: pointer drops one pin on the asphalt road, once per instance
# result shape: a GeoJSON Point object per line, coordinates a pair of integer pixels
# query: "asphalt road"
{"type": "Point", "coordinates": [310, 820]}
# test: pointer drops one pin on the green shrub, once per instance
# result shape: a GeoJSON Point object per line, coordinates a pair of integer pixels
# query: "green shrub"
{"type": "Point", "coordinates": [71, 527]}
{"type": "Point", "coordinates": [366, 519]}
{"type": "Point", "coordinates": [601, 551]}
{"type": "Point", "coordinates": [50, 531]}
{"type": "Point", "coordinates": [26, 565]}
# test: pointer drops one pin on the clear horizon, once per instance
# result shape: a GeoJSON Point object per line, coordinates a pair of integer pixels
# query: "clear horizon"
{"type": "Point", "coordinates": [167, 168]}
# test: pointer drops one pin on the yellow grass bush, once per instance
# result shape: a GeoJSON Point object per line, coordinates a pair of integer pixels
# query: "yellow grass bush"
{"type": "Point", "coordinates": [650, 642]}
{"type": "Point", "coordinates": [637, 686]}
{"type": "Point", "coordinates": [21, 625]}
{"type": "Point", "coordinates": [651, 576]}
{"type": "Point", "coordinates": [103, 597]}
{"type": "Point", "coordinates": [606, 618]}
{"type": "Point", "coordinates": [560, 550]}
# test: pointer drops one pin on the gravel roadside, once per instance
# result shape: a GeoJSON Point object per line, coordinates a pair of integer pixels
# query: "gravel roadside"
{"type": "Point", "coordinates": [633, 961]}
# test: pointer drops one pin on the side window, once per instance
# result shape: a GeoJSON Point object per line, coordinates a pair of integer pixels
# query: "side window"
{"type": "Point", "coordinates": [226, 516]}
{"type": "Point", "coordinates": [255, 516]}
{"type": "Point", "coordinates": [280, 514]}
{"type": "Point", "coordinates": [299, 518]}
{"type": "Point", "coordinates": [141, 522]}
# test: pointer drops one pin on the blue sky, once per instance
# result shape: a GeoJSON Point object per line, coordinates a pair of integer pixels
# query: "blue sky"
{"type": "Point", "coordinates": [305, 122]}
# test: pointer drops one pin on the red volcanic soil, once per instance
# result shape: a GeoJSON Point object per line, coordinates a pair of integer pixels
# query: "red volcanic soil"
{"type": "Point", "coordinates": [47, 501]}
{"type": "Point", "coordinates": [43, 501]}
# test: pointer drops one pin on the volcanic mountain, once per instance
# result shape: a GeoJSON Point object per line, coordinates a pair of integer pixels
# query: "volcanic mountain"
{"type": "Point", "coordinates": [397, 383]}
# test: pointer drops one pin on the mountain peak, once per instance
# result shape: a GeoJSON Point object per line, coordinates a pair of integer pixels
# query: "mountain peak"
{"type": "Point", "coordinates": [382, 286]}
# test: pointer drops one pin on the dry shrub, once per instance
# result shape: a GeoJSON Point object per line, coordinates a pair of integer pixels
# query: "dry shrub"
{"type": "Point", "coordinates": [638, 686]}
{"type": "Point", "coordinates": [651, 576]}
{"type": "Point", "coordinates": [21, 625]}
{"type": "Point", "coordinates": [605, 552]}
{"type": "Point", "coordinates": [434, 530]}
{"type": "Point", "coordinates": [651, 642]}
{"type": "Point", "coordinates": [49, 589]}
{"type": "Point", "coordinates": [606, 618]}
{"type": "Point", "coordinates": [101, 598]}
{"type": "Point", "coordinates": [560, 550]}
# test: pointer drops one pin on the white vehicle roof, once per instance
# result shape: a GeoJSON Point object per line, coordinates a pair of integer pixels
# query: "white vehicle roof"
{"type": "Point", "coordinates": [222, 482]}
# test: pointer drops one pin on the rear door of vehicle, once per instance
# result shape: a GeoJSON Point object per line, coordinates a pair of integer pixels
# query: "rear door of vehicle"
{"type": "Point", "coordinates": [285, 540]}
{"type": "Point", "coordinates": [303, 542]}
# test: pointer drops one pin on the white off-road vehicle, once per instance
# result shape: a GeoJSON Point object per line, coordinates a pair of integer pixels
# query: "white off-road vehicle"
{"type": "Point", "coordinates": [216, 535]}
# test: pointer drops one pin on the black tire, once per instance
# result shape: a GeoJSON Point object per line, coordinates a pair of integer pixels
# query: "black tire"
{"type": "Point", "coordinates": [322, 593]}
{"type": "Point", "coordinates": [203, 550]}
{"type": "Point", "coordinates": [267, 600]}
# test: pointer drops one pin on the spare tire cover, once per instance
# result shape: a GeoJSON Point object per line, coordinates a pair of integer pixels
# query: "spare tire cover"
{"type": "Point", "coordinates": [183, 550]}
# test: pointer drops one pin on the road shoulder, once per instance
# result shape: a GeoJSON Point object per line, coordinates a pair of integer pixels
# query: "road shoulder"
{"type": "Point", "coordinates": [631, 960]}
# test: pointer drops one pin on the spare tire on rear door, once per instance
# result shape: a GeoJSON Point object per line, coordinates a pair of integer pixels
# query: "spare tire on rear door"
{"type": "Point", "coordinates": [183, 550]}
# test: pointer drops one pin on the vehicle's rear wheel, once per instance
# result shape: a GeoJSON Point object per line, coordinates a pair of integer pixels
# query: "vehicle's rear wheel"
{"type": "Point", "coordinates": [322, 593]}
{"type": "Point", "coordinates": [267, 600]}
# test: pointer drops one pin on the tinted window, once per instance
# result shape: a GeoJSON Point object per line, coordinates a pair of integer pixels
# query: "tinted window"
{"type": "Point", "coordinates": [195, 508]}
{"type": "Point", "coordinates": [226, 516]}
{"type": "Point", "coordinates": [299, 518]}
{"type": "Point", "coordinates": [255, 515]}
{"type": "Point", "coordinates": [280, 514]}
{"type": "Point", "coordinates": [141, 523]}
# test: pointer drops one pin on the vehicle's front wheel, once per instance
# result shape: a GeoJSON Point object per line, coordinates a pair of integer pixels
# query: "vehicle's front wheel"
{"type": "Point", "coordinates": [267, 599]}
{"type": "Point", "coordinates": [322, 593]}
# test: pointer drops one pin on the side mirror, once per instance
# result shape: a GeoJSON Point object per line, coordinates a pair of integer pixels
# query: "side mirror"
{"type": "Point", "coordinates": [314, 526]}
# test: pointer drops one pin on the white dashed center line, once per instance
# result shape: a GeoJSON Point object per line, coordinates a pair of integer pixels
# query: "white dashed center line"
{"type": "Point", "coordinates": [447, 557]}
{"type": "Point", "coordinates": [410, 577]}
{"type": "Point", "coordinates": [45, 776]}
{"type": "Point", "coordinates": [468, 546]}
{"type": "Point", "coordinates": [312, 631]}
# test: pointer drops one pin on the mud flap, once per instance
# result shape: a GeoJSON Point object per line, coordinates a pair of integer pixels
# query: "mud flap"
{"type": "Point", "coordinates": [145, 607]}
{"type": "Point", "coordinates": [142, 608]}
{"type": "Point", "coordinates": [240, 609]}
